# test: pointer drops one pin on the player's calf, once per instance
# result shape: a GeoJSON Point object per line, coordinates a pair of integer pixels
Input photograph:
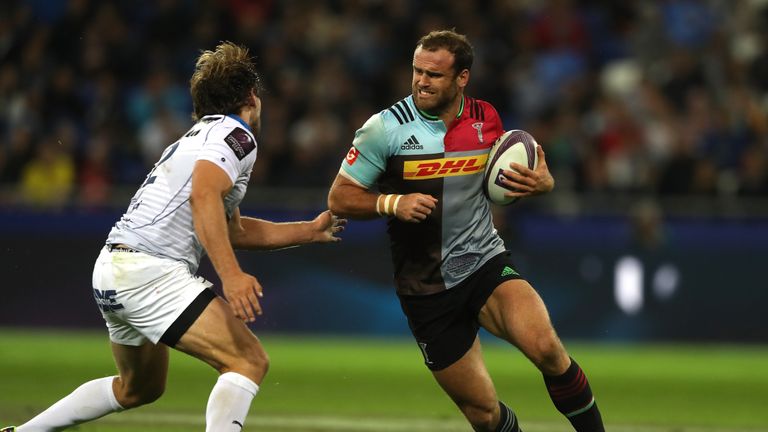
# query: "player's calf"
{"type": "Point", "coordinates": [572, 396]}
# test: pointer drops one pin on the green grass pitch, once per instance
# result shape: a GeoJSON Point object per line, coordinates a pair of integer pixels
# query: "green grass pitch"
{"type": "Point", "coordinates": [340, 384]}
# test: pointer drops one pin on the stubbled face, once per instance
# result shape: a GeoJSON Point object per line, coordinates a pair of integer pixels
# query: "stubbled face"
{"type": "Point", "coordinates": [435, 85]}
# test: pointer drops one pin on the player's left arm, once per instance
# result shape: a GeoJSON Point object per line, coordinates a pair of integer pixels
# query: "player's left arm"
{"type": "Point", "coordinates": [259, 234]}
{"type": "Point", "coordinates": [529, 182]}
{"type": "Point", "coordinates": [524, 181]}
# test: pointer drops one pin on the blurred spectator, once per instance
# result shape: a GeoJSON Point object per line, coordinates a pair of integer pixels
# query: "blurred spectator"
{"type": "Point", "coordinates": [95, 173]}
{"type": "Point", "coordinates": [754, 172]}
{"type": "Point", "coordinates": [158, 132]}
{"type": "Point", "coordinates": [647, 224]}
{"type": "Point", "coordinates": [19, 152]}
{"type": "Point", "coordinates": [666, 97]}
{"type": "Point", "coordinates": [48, 179]}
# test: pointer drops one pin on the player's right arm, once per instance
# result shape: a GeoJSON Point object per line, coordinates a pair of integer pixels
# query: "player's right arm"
{"type": "Point", "coordinates": [350, 194]}
{"type": "Point", "coordinates": [350, 200]}
{"type": "Point", "coordinates": [210, 184]}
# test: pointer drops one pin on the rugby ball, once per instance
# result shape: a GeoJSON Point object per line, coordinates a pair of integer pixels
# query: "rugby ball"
{"type": "Point", "coordinates": [513, 146]}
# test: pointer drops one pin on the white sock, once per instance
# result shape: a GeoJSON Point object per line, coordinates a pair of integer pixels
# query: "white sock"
{"type": "Point", "coordinates": [90, 401]}
{"type": "Point", "coordinates": [229, 402]}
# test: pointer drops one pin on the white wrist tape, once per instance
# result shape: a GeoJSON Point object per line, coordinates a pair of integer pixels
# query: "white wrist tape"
{"type": "Point", "coordinates": [378, 205]}
{"type": "Point", "coordinates": [387, 199]}
{"type": "Point", "coordinates": [394, 207]}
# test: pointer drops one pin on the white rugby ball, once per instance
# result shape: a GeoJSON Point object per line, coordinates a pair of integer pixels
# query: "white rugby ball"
{"type": "Point", "coordinates": [513, 146]}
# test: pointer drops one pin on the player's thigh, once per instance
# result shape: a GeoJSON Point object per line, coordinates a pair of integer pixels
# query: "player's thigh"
{"type": "Point", "coordinates": [143, 371]}
{"type": "Point", "coordinates": [467, 381]}
{"type": "Point", "coordinates": [220, 339]}
{"type": "Point", "coordinates": [515, 312]}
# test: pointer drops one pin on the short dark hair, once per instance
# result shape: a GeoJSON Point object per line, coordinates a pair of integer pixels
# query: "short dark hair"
{"type": "Point", "coordinates": [455, 43]}
{"type": "Point", "coordinates": [223, 81]}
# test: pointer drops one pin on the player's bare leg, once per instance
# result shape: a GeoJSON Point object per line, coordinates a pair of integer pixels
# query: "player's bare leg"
{"type": "Point", "coordinates": [516, 313]}
{"type": "Point", "coordinates": [468, 383]}
{"type": "Point", "coordinates": [143, 371]}
{"type": "Point", "coordinates": [223, 341]}
{"type": "Point", "coordinates": [142, 374]}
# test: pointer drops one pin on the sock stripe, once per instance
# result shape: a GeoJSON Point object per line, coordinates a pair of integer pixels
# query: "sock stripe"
{"type": "Point", "coordinates": [571, 389]}
{"type": "Point", "coordinates": [505, 426]}
{"type": "Point", "coordinates": [513, 422]}
{"type": "Point", "coordinates": [579, 411]}
{"type": "Point", "coordinates": [508, 420]}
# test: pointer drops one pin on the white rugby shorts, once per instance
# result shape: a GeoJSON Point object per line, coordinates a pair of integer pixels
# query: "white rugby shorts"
{"type": "Point", "coordinates": [140, 296]}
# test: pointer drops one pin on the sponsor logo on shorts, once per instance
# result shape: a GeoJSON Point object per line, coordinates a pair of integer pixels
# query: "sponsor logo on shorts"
{"type": "Point", "coordinates": [106, 300]}
{"type": "Point", "coordinates": [445, 167]}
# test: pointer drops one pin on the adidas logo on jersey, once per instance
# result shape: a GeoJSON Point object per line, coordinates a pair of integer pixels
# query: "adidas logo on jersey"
{"type": "Point", "coordinates": [411, 144]}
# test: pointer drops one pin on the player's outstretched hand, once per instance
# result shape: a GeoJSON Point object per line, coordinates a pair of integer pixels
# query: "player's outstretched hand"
{"type": "Point", "coordinates": [415, 207]}
{"type": "Point", "coordinates": [326, 225]}
{"type": "Point", "coordinates": [243, 292]}
{"type": "Point", "coordinates": [528, 182]}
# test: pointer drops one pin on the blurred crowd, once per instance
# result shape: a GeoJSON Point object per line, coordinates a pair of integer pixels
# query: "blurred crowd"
{"type": "Point", "coordinates": [667, 97]}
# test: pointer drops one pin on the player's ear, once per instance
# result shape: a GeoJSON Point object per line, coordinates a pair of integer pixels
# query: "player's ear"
{"type": "Point", "coordinates": [252, 98]}
{"type": "Point", "coordinates": [462, 78]}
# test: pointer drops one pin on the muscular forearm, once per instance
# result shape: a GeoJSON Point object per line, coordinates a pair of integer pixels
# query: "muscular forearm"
{"type": "Point", "coordinates": [258, 234]}
{"type": "Point", "coordinates": [211, 229]}
{"type": "Point", "coordinates": [352, 202]}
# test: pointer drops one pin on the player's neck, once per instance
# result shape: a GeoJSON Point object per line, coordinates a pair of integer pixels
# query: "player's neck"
{"type": "Point", "coordinates": [454, 111]}
{"type": "Point", "coordinates": [448, 115]}
{"type": "Point", "coordinates": [246, 115]}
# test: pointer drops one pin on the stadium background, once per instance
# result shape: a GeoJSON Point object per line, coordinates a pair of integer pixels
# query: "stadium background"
{"type": "Point", "coordinates": [653, 116]}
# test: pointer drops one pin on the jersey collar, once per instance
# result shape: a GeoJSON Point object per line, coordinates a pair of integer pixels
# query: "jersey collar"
{"type": "Point", "coordinates": [242, 122]}
{"type": "Point", "coordinates": [435, 118]}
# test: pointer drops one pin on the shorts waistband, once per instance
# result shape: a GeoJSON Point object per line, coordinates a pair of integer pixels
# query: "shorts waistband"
{"type": "Point", "coordinates": [120, 248]}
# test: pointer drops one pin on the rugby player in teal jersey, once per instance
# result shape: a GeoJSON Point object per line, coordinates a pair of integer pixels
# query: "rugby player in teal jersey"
{"type": "Point", "coordinates": [425, 155]}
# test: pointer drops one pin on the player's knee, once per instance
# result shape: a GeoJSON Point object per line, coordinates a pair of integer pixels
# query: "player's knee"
{"type": "Point", "coordinates": [136, 397]}
{"type": "Point", "coordinates": [482, 417]}
{"type": "Point", "coordinates": [259, 360]}
{"type": "Point", "coordinates": [252, 361]}
{"type": "Point", "coordinates": [548, 355]}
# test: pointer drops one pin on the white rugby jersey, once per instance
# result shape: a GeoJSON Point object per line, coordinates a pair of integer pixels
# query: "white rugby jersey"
{"type": "Point", "coordinates": [159, 218]}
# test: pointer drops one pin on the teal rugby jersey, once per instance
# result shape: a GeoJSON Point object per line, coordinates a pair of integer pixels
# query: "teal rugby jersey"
{"type": "Point", "coordinates": [402, 150]}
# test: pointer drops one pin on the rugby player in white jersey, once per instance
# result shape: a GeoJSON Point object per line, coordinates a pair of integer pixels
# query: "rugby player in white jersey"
{"type": "Point", "coordinates": [144, 278]}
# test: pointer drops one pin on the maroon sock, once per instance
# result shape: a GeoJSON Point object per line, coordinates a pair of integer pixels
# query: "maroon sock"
{"type": "Point", "coordinates": [572, 396]}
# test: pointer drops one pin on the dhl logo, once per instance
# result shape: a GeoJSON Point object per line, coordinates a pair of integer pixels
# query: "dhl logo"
{"type": "Point", "coordinates": [446, 167]}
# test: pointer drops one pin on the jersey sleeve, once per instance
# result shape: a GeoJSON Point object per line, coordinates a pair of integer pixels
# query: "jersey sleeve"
{"type": "Point", "coordinates": [367, 158]}
{"type": "Point", "coordinates": [230, 153]}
